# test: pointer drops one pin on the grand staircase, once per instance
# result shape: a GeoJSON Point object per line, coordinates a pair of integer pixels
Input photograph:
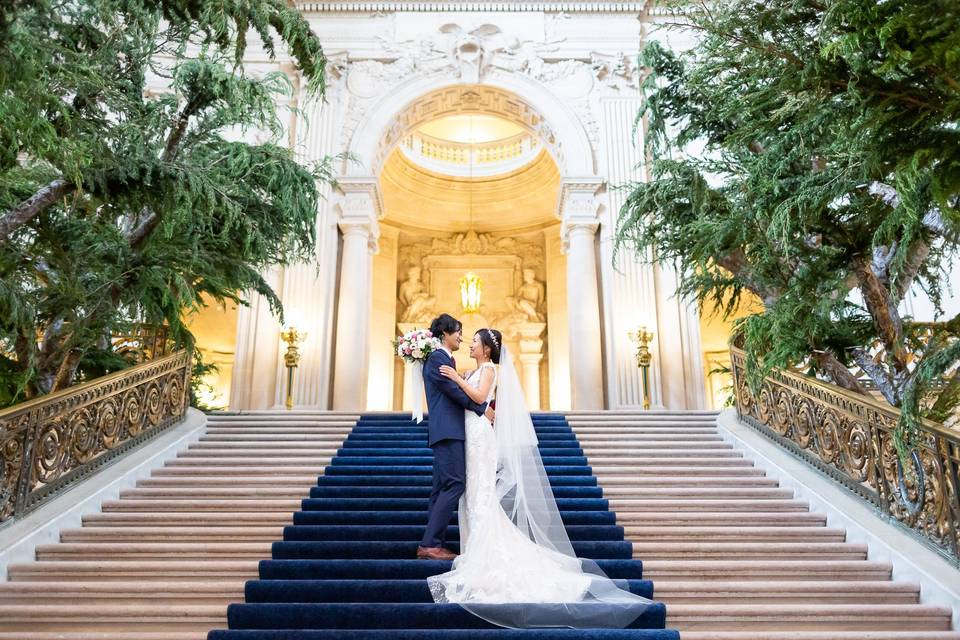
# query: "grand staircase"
{"type": "Point", "coordinates": [247, 515]}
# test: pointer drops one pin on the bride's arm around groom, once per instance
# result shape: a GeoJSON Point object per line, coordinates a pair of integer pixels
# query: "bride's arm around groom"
{"type": "Point", "coordinates": [446, 386]}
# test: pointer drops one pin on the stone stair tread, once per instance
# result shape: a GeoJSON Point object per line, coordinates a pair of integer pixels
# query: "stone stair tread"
{"type": "Point", "coordinates": [716, 533]}
{"type": "Point", "coordinates": [860, 634]}
{"type": "Point", "coordinates": [103, 635]}
{"type": "Point", "coordinates": [668, 587]}
{"type": "Point", "coordinates": [94, 534]}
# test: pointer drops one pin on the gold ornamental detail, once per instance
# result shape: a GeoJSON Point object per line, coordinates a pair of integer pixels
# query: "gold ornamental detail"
{"type": "Point", "coordinates": [49, 443]}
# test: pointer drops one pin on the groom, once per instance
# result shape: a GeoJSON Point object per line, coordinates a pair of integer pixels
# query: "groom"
{"type": "Point", "coordinates": [445, 403]}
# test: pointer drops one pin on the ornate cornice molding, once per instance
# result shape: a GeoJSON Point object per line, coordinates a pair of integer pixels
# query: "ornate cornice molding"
{"type": "Point", "coordinates": [360, 6]}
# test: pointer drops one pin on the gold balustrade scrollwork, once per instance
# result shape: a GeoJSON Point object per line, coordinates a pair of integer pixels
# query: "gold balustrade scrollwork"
{"type": "Point", "coordinates": [849, 437]}
{"type": "Point", "coordinates": [48, 443]}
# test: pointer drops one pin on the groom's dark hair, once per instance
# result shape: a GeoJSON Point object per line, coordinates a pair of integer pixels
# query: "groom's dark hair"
{"type": "Point", "coordinates": [443, 324]}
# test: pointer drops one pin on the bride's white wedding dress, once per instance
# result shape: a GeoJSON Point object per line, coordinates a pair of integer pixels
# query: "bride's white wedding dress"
{"type": "Point", "coordinates": [513, 546]}
{"type": "Point", "coordinates": [497, 561]}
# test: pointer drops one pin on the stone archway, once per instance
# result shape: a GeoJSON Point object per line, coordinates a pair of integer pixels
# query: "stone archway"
{"type": "Point", "coordinates": [513, 97]}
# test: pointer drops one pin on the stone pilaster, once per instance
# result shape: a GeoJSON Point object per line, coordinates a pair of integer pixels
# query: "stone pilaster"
{"type": "Point", "coordinates": [360, 209]}
{"type": "Point", "coordinates": [579, 208]}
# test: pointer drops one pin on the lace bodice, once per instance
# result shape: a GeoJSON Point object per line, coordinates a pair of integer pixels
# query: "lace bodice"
{"type": "Point", "coordinates": [474, 379]}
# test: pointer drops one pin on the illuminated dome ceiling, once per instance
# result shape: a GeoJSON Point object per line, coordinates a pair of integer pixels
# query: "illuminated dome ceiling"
{"type": "Point", "coordinates": [470, 170]}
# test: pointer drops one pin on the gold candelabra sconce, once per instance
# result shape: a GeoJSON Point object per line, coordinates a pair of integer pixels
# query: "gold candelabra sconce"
{"type": "Point", "coordinates": [291, 358]}
{"type": "Point", "coordinates": [643, 338]}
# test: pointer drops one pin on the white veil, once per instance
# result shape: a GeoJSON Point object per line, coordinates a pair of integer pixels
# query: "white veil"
{"type": "Point", "coordinates": [527, 498]}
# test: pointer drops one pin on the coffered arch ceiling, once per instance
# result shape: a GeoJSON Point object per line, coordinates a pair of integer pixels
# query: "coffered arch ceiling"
{"type": "Point", "coordinates": [469, 157]}
{"type": "Point", "coordinates": [417, 198]}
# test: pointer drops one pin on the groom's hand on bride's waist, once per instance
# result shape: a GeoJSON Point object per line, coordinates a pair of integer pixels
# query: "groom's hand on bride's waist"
{"type": "Point", "coordinates": [490, 414]}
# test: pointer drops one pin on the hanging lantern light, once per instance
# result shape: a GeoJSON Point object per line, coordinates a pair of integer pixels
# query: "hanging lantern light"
{"type": "Point", "coordinates": [470, 286]}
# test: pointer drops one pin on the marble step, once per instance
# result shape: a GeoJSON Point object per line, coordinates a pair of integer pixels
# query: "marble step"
{"type": "Point", "coordinates": [729, 518]}
{"type": "Point", "coordinates": [90, 551]}
{"type": "Point", "coordinates": [625, 506]}
{"type": "Point", "coordinates": [185, 506]}
{"type": "Point", "coordinates": [604, 474]}
{"type": "Point", "coordinates": [245, 471]}
{"type": "Point", "coordinates": [606, 465]}
{"type": "Point", "coordinates": [860, 634]}
{"type": "Point", "coordinates": [303, 490]}
{"type": "Point", "coordinates": [235, 492]}
{"type": "Point", "coordinates": [187, 519]}
{"type": "Point", "coordinates": [229, 481]}
{"type": "Point", "coordinates": [197, 592]}
{"type": "Point", "coordinates": [689, 481]}
{"type": "Point", "coordinates": [130, 634]}
{"type": "Point", "coordinates": [134, 569]}
{"type": "Point", "coordinates": [311, 479]}
{"type": "Point", "coordinates": [173, 534]}
{"type": "Point", "coordinates": [826, 592]}
{"type": "Point", "coordinates": [749, 550]}
{"type": "Point", "coordinates": [810, 617]}
{"type": "Point", "coordinates": [640, 534]}
{"type": "Point", "coordinates": [66, 617]}
{"type": "Point", "coordinates": [766, 570]}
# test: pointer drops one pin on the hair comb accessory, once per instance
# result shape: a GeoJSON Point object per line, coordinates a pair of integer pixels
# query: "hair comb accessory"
{"type": "Point", "coordinates": [493, 338]}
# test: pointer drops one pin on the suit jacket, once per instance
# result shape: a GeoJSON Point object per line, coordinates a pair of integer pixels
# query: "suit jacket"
{"type": "Point", "coordinates": [446, 401]}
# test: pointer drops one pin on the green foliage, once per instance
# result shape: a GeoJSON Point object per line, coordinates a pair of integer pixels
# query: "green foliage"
{"type": "Point", "coordinates": [808, 152]}
{"type": "Point", "coordinates": [121, 204]}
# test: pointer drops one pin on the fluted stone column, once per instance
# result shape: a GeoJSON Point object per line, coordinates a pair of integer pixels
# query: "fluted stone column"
{"type": "Point", "coordinates": [359, 211]}
{"type": "Point", "coordinates": [578, 210]}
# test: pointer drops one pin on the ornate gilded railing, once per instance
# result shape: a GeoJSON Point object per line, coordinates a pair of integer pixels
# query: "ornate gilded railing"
{"type": "Point", "coordinates": [849, 437]}
{"type": "Point", "coordinates": [48, 443]}
{"type": "Point", "coordinates": [143, 342]}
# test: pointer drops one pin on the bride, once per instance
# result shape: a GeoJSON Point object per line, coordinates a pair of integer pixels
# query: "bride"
{"type": "Point", "coordinates": [516, 566]}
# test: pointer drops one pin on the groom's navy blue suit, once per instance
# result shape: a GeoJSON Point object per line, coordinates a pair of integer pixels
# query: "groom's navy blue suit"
{"type": "Point", "coordinates": [446, 403]}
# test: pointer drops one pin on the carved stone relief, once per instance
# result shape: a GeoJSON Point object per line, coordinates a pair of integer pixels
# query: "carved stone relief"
{"type": "Point", "coordinates": [471, 54]}
{"type": "Point", "coordinates": [512, 269]}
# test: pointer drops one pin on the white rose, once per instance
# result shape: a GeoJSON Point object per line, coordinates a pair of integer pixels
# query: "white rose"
{"type": "Point", "coordinates": [417, 353]}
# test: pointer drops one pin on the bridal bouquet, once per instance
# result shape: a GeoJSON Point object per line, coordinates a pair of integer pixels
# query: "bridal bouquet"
{"type": "Point", "coordinates": [415, 347]}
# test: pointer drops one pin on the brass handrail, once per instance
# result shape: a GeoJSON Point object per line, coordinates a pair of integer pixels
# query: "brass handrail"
{"type": "Point", "coordinates": [50, 442]}
{"type": "Point", "coordinates": [849, 437]}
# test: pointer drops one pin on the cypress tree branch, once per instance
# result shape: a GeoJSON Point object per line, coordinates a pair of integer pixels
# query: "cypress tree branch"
{"type": "Point", "coordinates": [137, 237]}
{"type": "Point", "coordinates": [883, 309]}
{"type": "Point", "coordinates": [33, 206]}
{"type": "Point", "coordinates": [838, 372]}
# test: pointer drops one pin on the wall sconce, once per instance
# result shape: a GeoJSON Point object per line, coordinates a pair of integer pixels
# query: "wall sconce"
{"type": "Point", "coordinates": [291, 358]}
{"type": "Point", "coordinates": [643, 338]}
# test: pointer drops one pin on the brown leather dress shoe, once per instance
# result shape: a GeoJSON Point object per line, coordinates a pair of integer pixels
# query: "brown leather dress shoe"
{"type": "Point", "coordinates": [434, 553]}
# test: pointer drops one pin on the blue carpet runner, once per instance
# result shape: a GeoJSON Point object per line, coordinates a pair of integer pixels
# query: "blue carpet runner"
{"type": "Point", "coordinates": [346, 567]}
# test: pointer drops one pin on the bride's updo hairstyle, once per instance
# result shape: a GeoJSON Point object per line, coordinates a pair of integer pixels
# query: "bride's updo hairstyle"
{"type": "Point", "coordinates": [492, 339]}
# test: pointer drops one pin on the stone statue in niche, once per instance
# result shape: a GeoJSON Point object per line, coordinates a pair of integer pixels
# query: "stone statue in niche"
{"type": "Point", "coordinates": [417, 304]}
{"type": "Point", "coordinates": [529, 299]}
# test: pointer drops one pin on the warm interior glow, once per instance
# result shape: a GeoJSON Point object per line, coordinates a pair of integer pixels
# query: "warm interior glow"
{"type": "Point", "coordinates": [457, 128]}
{"type": "Point", "coordinates": [470, 286]}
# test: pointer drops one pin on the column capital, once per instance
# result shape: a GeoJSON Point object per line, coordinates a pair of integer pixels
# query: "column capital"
{"type": "Point", "coordinates": [579, 206]}
{"type": "Point", "coordinates": [359, 208]}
